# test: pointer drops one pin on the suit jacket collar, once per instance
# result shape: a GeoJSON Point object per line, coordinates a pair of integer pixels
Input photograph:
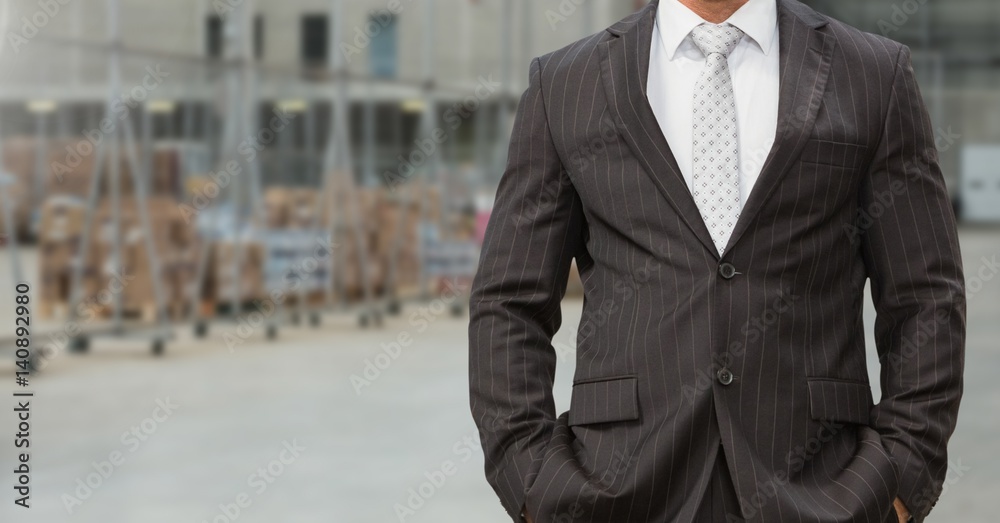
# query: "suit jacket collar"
{"type": "Point", "coordinates": [805, 65]}
{"type": "Point", "coordinates": [757, 19]}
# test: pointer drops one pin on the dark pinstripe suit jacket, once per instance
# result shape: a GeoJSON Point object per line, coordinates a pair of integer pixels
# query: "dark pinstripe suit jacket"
{"type": "Point", "coordinates": [850, 192]}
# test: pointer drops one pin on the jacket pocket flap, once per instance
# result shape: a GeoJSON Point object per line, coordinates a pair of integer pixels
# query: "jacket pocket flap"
{"type": "Point", "coordinates": [834, 154]}
{"type": "Point", "coordinates": [604, 400]}
{"type": "Point", "coordinates": [840, 400]}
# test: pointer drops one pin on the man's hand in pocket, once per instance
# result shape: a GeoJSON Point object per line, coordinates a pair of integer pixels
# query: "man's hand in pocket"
{"type": "Point", "coordinates": [901, 511]}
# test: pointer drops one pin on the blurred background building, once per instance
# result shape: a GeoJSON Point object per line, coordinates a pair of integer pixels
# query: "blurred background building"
{"type": "Point", "coordinates": [956, 55]}
{"type": "Point", "coordinates": [284, 201]}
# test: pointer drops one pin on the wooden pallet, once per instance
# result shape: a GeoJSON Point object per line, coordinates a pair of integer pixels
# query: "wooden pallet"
{"type": "Point", "coordinates": [311, 299]}
{"type": "Point", "coordinates": [145, 312]}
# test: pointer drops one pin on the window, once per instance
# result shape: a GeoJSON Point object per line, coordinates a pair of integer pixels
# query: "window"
{"type": "Point", "coordinates": [215, 42]}
{"type": "Point", "coordinates": [314, 39]}
{"type": "Point", "coordinates": [384, 45]}
{"type": "Point", "coordinates": [258, 37]}
{"type": "Point", "coordinates": [213, 37]}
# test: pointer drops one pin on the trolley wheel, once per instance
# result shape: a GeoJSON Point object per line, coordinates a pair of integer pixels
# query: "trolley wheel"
{"type": "Point", "coordinates": [457, 309]}
{"type": "Point", "coordinates": [80, 344]}
{"type": "Point", "coordinates": [315, 319]}
{"type": "Point", "coordinates": [363, 320]}
{"type": "Point", "coordinates": [394, 308]}
{"type": "Point", "coordinates": [200, 329]}
{"type": "Point", "coordinates": [158, 347]}
{"type": "Point", "coordinates": [295, 318]}
{"type": "Point", "coordinates": [272, 332]}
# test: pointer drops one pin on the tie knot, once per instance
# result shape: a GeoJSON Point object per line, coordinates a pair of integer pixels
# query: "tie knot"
{"type": "Point", "coordinates": [716, 39]}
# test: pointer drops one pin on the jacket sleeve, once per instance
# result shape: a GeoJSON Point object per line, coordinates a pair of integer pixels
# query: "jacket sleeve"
{"type": "Point", "coordinates": [912, 256]}
{"type": "Point", "coordinates": [533, 233]}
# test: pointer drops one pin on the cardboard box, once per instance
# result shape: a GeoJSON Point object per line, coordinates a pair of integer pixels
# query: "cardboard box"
{"type": "Point", "coordinates": [62, 219]}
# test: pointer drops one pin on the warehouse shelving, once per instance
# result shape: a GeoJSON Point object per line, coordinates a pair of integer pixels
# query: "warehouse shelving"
{"type": "Point", "coordinates": [244, 89]}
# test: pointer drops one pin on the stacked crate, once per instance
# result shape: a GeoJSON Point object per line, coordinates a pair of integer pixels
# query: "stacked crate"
{"type": "Point", "coordinates": [297, 257]}
{"type": "Point", "coordinates": [292, 208]}
{"type": "Point", "coordinates": [176, 245]}
{"type": "Point", "coordinates": [297, 264]}
{"type": "Point", "coordinates": [407, 252]}
{"type": "Point", "coordinates": [19, 166]}
{"type": "Point", "coordinates": [223, 285]}
{"type": "Point", "coordinates": [59, 245]}
{"type": "Point", "coordinates": [68, 170]}
{"type": "Point", "coordinates": [294, 253]}
{"type": "Point", "coordinates": [132, 277]}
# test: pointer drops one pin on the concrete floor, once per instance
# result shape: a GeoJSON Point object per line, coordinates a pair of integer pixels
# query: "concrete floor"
{"type": "Point", "coordinates": [359, 455]}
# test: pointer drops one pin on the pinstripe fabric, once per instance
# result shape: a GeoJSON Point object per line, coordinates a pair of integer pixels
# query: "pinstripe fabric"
{"type": "Point", "coordinates": [851, 191]}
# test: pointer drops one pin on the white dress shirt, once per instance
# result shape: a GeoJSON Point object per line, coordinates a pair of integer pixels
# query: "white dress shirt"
{"type": "Point", "coordinates": [676, 63]}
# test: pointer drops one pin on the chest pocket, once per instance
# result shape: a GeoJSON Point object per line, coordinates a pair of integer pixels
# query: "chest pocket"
{"type": "Point", "coordinates": [834, 154]}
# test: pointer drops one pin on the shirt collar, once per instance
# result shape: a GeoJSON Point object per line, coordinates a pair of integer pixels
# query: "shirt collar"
{"type": "Point", "coordinates": [758, 19]}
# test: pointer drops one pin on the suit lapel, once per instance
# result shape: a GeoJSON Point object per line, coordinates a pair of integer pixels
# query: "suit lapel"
{"type": "Point", "coordinates": [805, 67]}
{"type": "Point", "coordinates": [624, 70]}
{"type": "Point", "coordinates": [806, 54]}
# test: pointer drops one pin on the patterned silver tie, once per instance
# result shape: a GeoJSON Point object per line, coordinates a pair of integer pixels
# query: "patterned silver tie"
{"type": "Point", "coordinates": [716, 139]}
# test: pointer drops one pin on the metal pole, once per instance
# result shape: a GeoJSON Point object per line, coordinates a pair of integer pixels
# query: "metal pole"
{"type": "Point", "coordinates": [241, 106]}
{"type": "Point", "coordinates": [140, 181]}
{"type": "Point", "coordinates": [430, 124]}
{"type": "Point", "coordinates": [309, 146]}
{"type": "Point", "coordinates": [11, 230]}
{"type": "Point", "coordinates": [339, 153]}
{"type": "Point", "coordinates": [147, 139]}
{"type": "Point", "coordinates": [77, 33]}
{"type": "Point", "coordinates": [93, 194]}
{"type": "Point", "coordinates": [115, 157]}
{"type": "Point", "coordinates": [370, 175]}
{"type": "Point", "coordinates": [503, 112]}
{"type": "Point", "coordinates": [41, 159]}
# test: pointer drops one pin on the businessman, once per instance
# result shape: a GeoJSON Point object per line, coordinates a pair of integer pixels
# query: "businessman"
{"type": "Point", "coordinates": [728, 175]}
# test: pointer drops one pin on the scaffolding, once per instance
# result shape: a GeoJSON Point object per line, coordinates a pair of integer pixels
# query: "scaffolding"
{"type": "Point", "coordinates": [335, 174]}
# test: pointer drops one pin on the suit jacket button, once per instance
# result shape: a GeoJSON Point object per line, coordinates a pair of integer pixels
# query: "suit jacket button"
{"type": "Point", "coordinates": [727, 271]}
{"type": "Point", "coordinates": [725, 376]}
